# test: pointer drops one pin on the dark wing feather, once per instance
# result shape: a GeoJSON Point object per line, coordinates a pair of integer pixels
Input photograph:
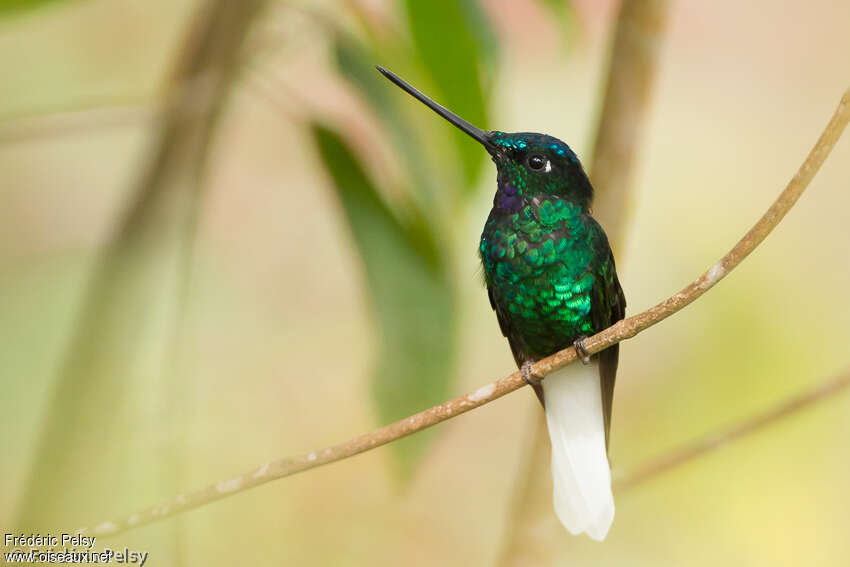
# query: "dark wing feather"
{"type": "Point", "coordinates": [507, 330]}
{"type": "Point", "coordinates": [504, 324]}
{"type": "Point", "coordinates": [517, 346]}
{"type": "Point", "coordinates": [609, 307]}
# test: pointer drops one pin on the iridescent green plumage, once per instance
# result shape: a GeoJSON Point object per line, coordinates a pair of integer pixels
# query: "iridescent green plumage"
{"type": "Point", "coordinates": [548, 267]}
{"type": "Point", "coordinates": [547, 263]}
{"type": "Point", "coordinates": [543, 274]}
{"type": "Point", "coordinates": [551, 280]}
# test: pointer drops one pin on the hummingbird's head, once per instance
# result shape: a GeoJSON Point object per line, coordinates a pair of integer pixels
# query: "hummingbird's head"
{"type": "Point", "coordinates": [533, 165]}
{"type": "Point", "coordinates": [529, 165]}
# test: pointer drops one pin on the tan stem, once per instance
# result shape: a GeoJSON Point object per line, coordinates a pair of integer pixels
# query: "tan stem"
{"type": "Point", "coordinates": [718, 439]}
{"type": "Point", "coordinates": [631, 75]}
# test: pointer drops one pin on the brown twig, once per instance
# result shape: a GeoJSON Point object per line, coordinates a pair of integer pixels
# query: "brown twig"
{"type": "Point", "coordinates": [623, 330]}
{"type": "Point", "coordinates": [530, 522]}
{"type": "Point", "coordinates": [718, 439]}
{"type": "Point", "coordinates": [185, 102]}
{"type": "Point", "coordinates": [51, 125]}
{"type": "Point", "coordinates": [634, 57]}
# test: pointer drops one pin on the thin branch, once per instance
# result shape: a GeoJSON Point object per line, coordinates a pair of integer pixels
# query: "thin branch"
{"type": "Point", "coordinates": [26, 129]}
{"type": "Point", "coordinates": [634, 62]}
{"type": "Point", "coordinates": [530, 523]}
{"type": "Point", "coordinates": [719, 439]}
{"type": "Point", "coordinates": [623, 330]}
{"type": "Point", "coordinates": [186, 101]}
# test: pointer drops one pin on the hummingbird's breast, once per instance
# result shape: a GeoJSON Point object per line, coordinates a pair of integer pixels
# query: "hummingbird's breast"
{"type": "Point", "coordinates": [538, 266]}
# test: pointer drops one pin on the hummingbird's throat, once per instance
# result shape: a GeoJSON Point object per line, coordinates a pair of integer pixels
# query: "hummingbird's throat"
{"type": "Point", "coordinates": [508, 198]}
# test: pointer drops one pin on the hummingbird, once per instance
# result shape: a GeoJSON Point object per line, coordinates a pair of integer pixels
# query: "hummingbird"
{"type": "Point", "coordinates": [552, 282]}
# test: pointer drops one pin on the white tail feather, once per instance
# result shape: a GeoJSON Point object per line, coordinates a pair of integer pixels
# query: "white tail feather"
{"type": "Point", "coordinates": [581, 475]}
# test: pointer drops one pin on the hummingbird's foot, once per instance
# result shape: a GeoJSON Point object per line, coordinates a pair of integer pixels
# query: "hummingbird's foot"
{"type": "Point", "coordinates": [532, 379]}
{"type": "Point", "coordinates": [581, 352]}
{"type": "Point", "coordinates": [528, 374]}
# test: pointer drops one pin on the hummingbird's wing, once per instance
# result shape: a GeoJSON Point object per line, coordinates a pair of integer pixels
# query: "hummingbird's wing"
{"type": "Point", "coordinates": [507, 329]}
{"type": "Point", "coordinates": [608, 308]}
{"type": "Point", "coordinates": [517, 345]}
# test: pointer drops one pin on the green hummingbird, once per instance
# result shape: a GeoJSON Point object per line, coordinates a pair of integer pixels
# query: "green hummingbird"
{"type": "Point", "coordinates": [552, 282]}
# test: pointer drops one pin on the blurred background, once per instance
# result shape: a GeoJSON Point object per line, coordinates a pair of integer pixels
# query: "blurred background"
{"type": "Point", "coordinates": [224, 238]}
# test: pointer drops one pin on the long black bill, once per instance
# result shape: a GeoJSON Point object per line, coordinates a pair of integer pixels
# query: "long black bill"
{"type": "Point", "coordinates": [482, 136]}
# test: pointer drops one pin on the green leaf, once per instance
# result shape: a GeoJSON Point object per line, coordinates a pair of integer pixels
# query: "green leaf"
{"type": "Point", "coordinates": [485, 36]}
{"type": "Point", "coordinates": [446, 36]}
{"type": "Point", "coordinates": [356, 65]}
{"type": "Point", "coordinates": [412, 301]}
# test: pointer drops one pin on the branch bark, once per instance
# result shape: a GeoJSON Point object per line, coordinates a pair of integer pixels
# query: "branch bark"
{"type": "Point", "coordinates": [69, 122]}
{"type": "Point", "coordinates": [623, 330]}
{"type": "Point", "coordinates": [631, 76]}
{"type": "Point", "coordinates": [716, 440]}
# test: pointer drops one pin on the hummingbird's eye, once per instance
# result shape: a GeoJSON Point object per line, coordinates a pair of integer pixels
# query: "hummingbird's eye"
{"type": "Point", "coordinates": [536, 162]}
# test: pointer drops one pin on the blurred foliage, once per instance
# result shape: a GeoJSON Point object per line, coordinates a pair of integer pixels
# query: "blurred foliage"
{"type": "Point", "coordinates": [445, 44]}
{"type": "Point", "coordinates": [12, 6]}
{"type": "Point", "coordinates": [264, 308]}
{"type": "Point", "coordinates": [117, 395]}
{"type": "Point", "coordinates": [411, 296]}
{"type": "Point", "coordinates": [564, 13]}
{"type": "Point", "coordinates": [357, 66]}
{"type": "Point", "coordinates": [455, 52]}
